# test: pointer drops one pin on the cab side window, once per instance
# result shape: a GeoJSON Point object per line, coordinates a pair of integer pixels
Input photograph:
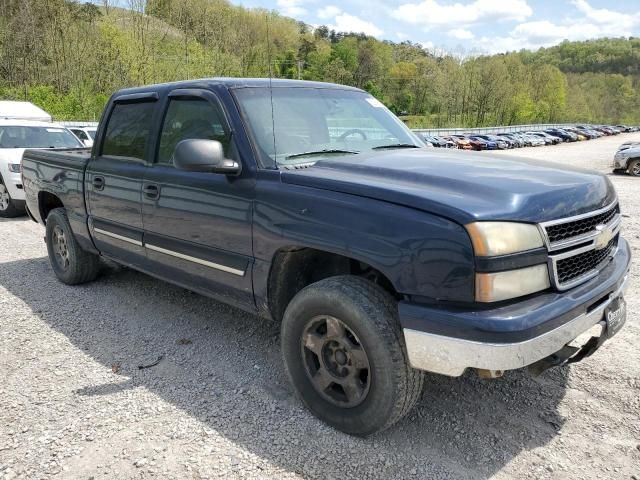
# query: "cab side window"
{"type": "Point", "coordinates": [128, 130]}
{"type": "Point", "coordinates": [191, 118]}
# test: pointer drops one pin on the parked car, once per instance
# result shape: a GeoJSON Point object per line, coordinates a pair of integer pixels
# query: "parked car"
{"type": "Point", "coordinates": [544, 138]}
{"type": "Point", "coordinates": [552, 138]}
{"type": "Point", "coordinates": [532, 140]}
{"type": "Point", "coordinates": [448, 142]}
{"type": "Point", "coordinates": [564, 135]}
{"type": "Point", "coordinates": [479, 143]}
{"type": "Point", "coordinates": [500, 143]}
{"type": "Point", "coordinates": [15, 136]}
{"type": "Point", "coordinates": [627, 159]}
{"type": "Point", "coordinates": [433, 140]}
{"type": "Point", "coordinates": [461, 142]}
{"type": "Point", "coordinates": [627, 145]}
{"type": "Point", "coordinates": [85, 134]}
{"type": "Point", "coordinates": [516, 141]}
{"type": "Point", "coordinates": [379, 258]}
{"type": "Point", "coordinates": [586, 133]}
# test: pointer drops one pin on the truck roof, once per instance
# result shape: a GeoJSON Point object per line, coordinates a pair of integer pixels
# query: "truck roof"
{"type": "Point", "coordinates": [230, 82]}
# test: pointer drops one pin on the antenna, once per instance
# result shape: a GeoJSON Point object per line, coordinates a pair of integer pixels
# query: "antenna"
{"type": "Point", "coordinates": [273, 120]}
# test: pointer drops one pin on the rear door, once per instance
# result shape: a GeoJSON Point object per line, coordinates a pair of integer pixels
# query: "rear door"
{"type": "Point", "coordinates": [197, 225]}
{"type": "Point", "coordinates": [114, 178]}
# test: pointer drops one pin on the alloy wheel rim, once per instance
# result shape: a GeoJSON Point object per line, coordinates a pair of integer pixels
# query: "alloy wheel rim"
{"type": "Point", "coordinates": [4, 197]}
{"type": "Point", "coordinates": [636, 169]}
{"type": "Point", "coordinates": [60, 247]}
{"type": "Point", "coordinates": [335, 362]}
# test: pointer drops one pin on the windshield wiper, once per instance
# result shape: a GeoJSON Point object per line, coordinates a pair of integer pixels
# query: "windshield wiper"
{"type": "Point", "coordinates": [396, 145]}
{"type": "Point", "coordinates": [320, 152]}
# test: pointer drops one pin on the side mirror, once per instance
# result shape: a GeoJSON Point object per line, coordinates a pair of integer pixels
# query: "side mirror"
{"type": "Point", "coordinates": [198, 155]}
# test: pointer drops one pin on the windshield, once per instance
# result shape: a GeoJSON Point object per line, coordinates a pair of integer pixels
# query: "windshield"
{"type": "Point", "coordinates": [91, 133]}
{"type": "Point", "coordinates": [37, 137]}
{"type": "Point", "coordinates": [310, 123]}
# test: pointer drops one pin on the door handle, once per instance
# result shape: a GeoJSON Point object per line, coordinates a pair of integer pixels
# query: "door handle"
{"type": "Point", "coordinates": [98, 183]}
{"type": "Point", "coordinates": [152, 192]}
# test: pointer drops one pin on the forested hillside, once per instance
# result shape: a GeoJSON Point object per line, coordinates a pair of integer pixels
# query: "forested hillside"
{"type": "Point", "coordinates": [68, 57]}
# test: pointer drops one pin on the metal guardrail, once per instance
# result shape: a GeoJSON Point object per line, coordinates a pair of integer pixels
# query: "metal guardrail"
{"type": "Point", "coordinates": [491, 130]}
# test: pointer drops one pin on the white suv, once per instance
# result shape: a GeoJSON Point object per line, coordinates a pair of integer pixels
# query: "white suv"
{"type": "Point", "coordinates": [85, 134]}
{"type": "Point", "coordinates": [15, 137]}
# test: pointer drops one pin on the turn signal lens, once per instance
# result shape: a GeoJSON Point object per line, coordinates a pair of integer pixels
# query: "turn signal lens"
{"type": "Point", "coordinates": [494, 287]}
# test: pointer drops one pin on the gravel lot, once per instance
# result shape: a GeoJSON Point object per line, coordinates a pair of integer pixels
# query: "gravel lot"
{"type": "Point", "coordinates": [218, 405]}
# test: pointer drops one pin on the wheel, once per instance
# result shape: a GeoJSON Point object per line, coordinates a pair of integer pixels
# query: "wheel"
{"type": "Point", "coordinates": [8, 207]}
{"type": "Point", "coordinates": [344, 353]}
{"type": "Point", "coordinates": [70, 263]}
{"type": "Point", "coordinates": [634, 168]}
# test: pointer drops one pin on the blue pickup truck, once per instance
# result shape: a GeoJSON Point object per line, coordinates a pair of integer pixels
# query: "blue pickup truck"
{"type": "Point", "coordinates": [311, 204]}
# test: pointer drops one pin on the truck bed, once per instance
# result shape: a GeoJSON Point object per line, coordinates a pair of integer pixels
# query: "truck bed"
{"type": "Point", "coordinates": [59, 172]}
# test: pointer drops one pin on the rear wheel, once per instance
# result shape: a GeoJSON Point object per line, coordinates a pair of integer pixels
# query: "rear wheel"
{"type": "Point", "coordinates": [344, 352]}
{"type": "Point", "coordinates": [634, 168]}
{"type": "Point", "coordinates": [70, 263]}
{"type": "Point", "coordinates": [8, 207]}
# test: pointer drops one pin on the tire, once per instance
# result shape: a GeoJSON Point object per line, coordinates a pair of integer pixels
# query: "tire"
{"type": "Point", "coordinates": [70, 263]}
{"type": "Point", "coordinates": [634, 168]}
{"type": "Point", "coordinates": [9, 208]}
{"type": "Point", "coordinates": [355, 316]}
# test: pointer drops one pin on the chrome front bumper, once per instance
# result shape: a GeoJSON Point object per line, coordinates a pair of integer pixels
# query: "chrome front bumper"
{"type": "Point", "coordinates": [452, 356]}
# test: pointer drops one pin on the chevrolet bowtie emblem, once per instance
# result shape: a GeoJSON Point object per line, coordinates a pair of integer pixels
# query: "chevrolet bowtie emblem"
{"type": "Point", "coordinates": [605, 235]}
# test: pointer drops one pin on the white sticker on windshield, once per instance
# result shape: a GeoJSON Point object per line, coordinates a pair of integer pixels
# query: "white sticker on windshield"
{"type": "Point", "coordinates": [55, 130]}
{"type": "Point", "coordinates": [375, 102]}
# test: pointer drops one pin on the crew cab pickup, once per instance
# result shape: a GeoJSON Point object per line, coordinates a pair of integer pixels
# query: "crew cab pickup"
{"type": "Point", "coordinates": [311, 204]}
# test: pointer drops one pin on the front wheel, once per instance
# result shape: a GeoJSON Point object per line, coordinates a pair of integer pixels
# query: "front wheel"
{"type": "Point", "coordinates": [634, 168]}
{"type": "Point", "coordinates": [9, 208]}
{"type": "Point", "coordinates": [70, 263]}
{"type": "Point", "coordinates": [345, 355]}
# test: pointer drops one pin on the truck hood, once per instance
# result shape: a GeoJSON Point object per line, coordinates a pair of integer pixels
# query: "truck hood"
{"type": "Point", "coordinates": [464, 187]}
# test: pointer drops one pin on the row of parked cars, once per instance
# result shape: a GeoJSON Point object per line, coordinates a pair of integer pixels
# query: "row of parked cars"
{"type": "Point", "coordinates": [537, 138]}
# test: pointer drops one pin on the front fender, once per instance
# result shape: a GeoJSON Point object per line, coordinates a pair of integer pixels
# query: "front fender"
{"type": "Point", "coordinates": [421, 254]}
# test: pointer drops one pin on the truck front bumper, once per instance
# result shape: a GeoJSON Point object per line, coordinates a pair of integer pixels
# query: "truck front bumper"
{"type": "Point", "coordinates": [515, 336]}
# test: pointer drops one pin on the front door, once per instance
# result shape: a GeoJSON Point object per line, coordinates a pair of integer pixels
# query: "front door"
{"type": "Point", "coordinates": [114, 179]}
{"type": "Point", "coordinates": [197, 225]}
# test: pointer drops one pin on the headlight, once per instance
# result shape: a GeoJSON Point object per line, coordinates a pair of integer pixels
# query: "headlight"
{"type": "Point", "coordinates": [14, 167]}
{"type": "Point", "coordinates": [494, 287]}
{"type": "Point", "coordinates": [502, 238]}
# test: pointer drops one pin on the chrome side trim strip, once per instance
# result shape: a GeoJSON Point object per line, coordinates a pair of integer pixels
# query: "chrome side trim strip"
{"type": "Point", "coordinates": [199, 261]}
{"type": "Point", "coordinates": [119, 237]}
{"type": "Point", "coordinates": [452, 356]}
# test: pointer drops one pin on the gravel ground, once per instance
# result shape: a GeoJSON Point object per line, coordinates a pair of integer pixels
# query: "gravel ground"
{"type": "Point", "coordinates": [76, 405]}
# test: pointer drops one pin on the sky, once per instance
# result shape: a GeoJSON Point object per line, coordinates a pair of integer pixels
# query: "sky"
{"type": "Point", "coordinates": [468, 26]}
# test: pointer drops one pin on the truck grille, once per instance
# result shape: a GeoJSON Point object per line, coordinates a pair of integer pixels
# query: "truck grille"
{"type": "Point", "coordinates": [565, 231]}
{"type": "Point", "coordinates": [577, 248]}
{"type": "Point", "coordinates": [571, 268]}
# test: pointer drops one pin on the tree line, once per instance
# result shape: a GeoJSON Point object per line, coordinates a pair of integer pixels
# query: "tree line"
{"type": "Point", "coordinates": [68, 57]}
